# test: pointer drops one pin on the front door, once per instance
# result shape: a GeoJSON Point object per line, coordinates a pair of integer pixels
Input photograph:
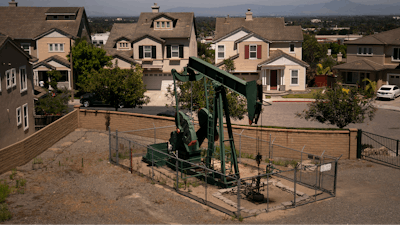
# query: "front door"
{"type": "Point", "coordinates": [274, 79]}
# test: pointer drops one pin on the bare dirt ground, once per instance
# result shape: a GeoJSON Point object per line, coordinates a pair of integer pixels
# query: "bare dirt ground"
{"type": "Point", "coordinates": [73, 182]}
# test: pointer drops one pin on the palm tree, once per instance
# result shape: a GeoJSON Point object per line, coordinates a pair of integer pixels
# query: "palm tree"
{"type": "Point", "coordinates": [323, 71]}
{"type": "Point", "coordinates": [371, 85]}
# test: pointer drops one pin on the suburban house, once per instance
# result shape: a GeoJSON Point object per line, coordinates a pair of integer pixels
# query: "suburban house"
{"type": "Point", "coordinates": [47, 34]}
{"type": "Point", "coordinates": [262, 49]}
{"type": "Point", "coordinates": [100, 39]}
{"type": "Point", "coordinates": [376, 57]}
{"type": "Point", "coordinates": [16, 93]}
{"type": "Point", "coordinates": [158, 42]}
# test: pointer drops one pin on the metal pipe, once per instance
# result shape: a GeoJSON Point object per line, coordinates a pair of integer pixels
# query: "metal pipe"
{"type": "Point", "coordinates": [301, 160]}
{"type": "Point", "coordinates": [116, 142]}
{"type": "Point", "coordinates": [155, 135]}
{"type": "Point", "coordinates": [130, 150]}
{"type": "Point", "coordinates": [109, 142]}
{"type": "Point", "coordinates": [295, 193]}
{"type": "Point", "coordinates": [238, 197]}
{"type": "Point", "coordinates": [240, 146]}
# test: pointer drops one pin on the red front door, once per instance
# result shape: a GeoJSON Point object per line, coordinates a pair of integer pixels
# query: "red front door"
{"type": "Point", "coordinates": [274, 79]}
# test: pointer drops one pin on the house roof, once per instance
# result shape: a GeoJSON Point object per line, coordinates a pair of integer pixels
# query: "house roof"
{"type": "Point", "coordinates": [31, 21]}
{"type": "Point", "coordinates": [272, 29]}
{"type": "Point", "coordinates": [118, 31]}
{"type": "Point", "coordinates": [391, 37]}
{"type": "Point", "coordinates": [55, 58]}
{"type": "Point", "coordinates": [363, 65]}
{"type": "Point", "coordinates": [277, 54]}
{"type": "Point", "coordinates": [230, 58]}
{"type": "Point", "coordinates": [4, 39]}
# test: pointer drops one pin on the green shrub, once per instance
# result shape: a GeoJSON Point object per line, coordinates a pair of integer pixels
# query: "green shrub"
{"type": "Point", "coordinates": [4, 191]}
{"type": "Point", "coordinates": [4, 213]}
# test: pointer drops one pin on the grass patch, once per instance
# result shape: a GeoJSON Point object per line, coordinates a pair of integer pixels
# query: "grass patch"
{"type": "Point", "coordinates": [305, 95]}
{"type": "Point", "coordinates": [37, 161]}
{"type": "Point", "coordinates": [267, 97]}
{"type": "Point", "coordinates": [4, 191]}
{"type": "Point", "coordinates": [124, 155]}
{"type": "Point", "coordinates": [284, 163]}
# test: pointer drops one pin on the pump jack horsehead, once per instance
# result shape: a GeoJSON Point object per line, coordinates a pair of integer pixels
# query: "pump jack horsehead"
{"type": "Point", "coordinates": [186, 142]}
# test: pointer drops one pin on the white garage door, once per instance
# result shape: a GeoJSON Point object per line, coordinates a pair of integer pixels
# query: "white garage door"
{"type": "Point", "coordinates": [156, 81]}
{"type": "Point", "coordinates": [394, 79]}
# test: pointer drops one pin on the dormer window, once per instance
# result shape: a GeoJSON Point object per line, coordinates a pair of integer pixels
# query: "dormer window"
{"type": "Point", "coordinates": [123, 45]}
{"type": "Point", "coordinates": [66, 17]}
{"type": "Point", "coordinates": [162, 24]}
{"type": "Point", "coordinates": [55, 17]}
{"type": "Point", "coordinates": [168, 24]}
{"type": "Point", "coordinates": [158, 24]}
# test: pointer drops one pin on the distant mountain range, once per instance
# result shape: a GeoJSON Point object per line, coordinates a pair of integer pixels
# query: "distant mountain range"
{"type": "Point", "coordinates": [334, 7]}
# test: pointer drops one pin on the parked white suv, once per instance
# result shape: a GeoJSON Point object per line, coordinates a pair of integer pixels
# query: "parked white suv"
{"type": "Point", "coordinates": [388, 91]}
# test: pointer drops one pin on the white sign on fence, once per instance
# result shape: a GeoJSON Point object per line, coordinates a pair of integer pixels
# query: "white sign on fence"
{"type": "Point", "coordinates": [326, 167]}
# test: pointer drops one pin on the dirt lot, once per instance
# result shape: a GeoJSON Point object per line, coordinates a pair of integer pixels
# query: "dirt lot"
{"type": "Point", "coordinates": [73, 182]}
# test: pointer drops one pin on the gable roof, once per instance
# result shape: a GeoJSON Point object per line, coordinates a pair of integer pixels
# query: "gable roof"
{"type": "Point", "coordinates": [272, 29]}
{"type": "Point", "coordinates": [55, 58]}
{"type": "Point", "coordinates": [391, 37]}
{"type": "Point", "coordinates": [159, 15]}
{"type": "Point", "coordinates": [31, 21]}
{"type": "Point", "coordinates": [5, 39]}
{"type": "Point", "coordinates": [230, 58]}
{"type": "Point", "coordinates": [277, 54]}
{"type": "Point", "coordinates": [252, 34]}
{"type": "Point", "coordinates": [119, 30]}
{"type": "Point", "coordinates": [363, 65]}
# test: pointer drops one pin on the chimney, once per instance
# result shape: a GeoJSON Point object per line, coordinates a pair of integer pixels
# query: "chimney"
{"type": "Point", "coordinates": [249, 15]}
{"type": "Point", "coordinates": [226, 19]}
{"type": "Point", "coordinates": [155, 8]}
{"type": "Point", "coordinates": [339, 57]}
{"type": "Point", "coordinates": [13, 3]}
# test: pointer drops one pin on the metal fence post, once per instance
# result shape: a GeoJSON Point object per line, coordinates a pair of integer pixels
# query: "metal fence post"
{"type": "Point", "coordinates": [240, 146]}
{"type": "Point", "coordinates": [205, 171]}
{"type": "Point", "coordinates": [109, 143]}
{"type": "Point", "coordinates": [295, 180]}
{"type": "Point", "coordinates": [397, 148]}
{"type": "Point", "coordinates": [301, 160]}
{"type": "Point", "coordinates": [130, 150]}
{"type": "Point", "coordinates": [155, 135]}
{"type": "Point", "coordinates": [238, 198]}
{"type": "Point", "coordinates": [152, 165]}
{"type": "Point", "coordinates": [335, 178]}
{"type": "Point", "coordinates": [116, 142]}
{"type": "Point", "coordinates": [359, 145]}
{"type": "Point", "coordinates": [177, 175]}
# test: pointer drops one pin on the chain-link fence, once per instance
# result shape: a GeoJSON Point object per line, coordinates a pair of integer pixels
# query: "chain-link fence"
{"type": "Point", "coordinates": [285, 178]}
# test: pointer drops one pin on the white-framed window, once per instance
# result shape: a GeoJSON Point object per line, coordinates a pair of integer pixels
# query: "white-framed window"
{"type": "Point", "coordinates": [168, 25]}
{"type": "Point", "coordinates": [364, 51]}
{"type": "Point", "coordinates": [158, 24]}
{"type": "Point", "coordinates": [162, 24]}
{"type": "Point", "coordinates": [396, 54]}
{"type": "Point", "coordinates": [294, 77]}
{"type": "Point", "coordinates": [26, 47]}
{"type": "Point", "coordinates": [291, 48]}
{"type": "Point", "coordinates": [175, 51]}
{"type": "Point", "coordinates": [221, 51]}
{"type": "Point", "coordinates": [23, 78]}
{"type": "Point", "coordinates": [19, 119]}
{"type": "Point", "coordinates": [147, 51]}
{"type": "Point", "coordinates": [11, 79]}
{"type": "Point", "coordinates": [66, 17]}
{"type": "Point", "coordinates": [253, 51]}
{"type": "Point", "coordinates": [56, 47]}
{"type": "Point", "coordinates": [122, 45]}
{"type": "Point", "coordinates": [25, 116]}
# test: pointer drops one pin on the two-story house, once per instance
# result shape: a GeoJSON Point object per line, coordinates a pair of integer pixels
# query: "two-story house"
{"type": "Point", "coordinates": [158, 42]}
{"type": "Point", "coordinates": [376, 57]}
{"type": "Point", "coordinates": [262, 49]}
{"type": "Point", "coordinates": [16, 93]}
{"type": "Point", "coordinates": [46, 33]}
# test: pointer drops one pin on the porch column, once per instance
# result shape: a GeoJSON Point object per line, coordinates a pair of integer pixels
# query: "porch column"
{"type": "Point", "coordinates": [69, 79]}
{"type": "Point", "coordinates": [35, 78]}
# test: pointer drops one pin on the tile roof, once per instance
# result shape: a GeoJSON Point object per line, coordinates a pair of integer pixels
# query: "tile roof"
{"type": "Point", "coordinates": [363, 65]}
{"type": "Point", "coordinates": [391, 37]}
{"type": "Point", "coordinates": [277, 54]}
{"type": "Point", "coordinates": [62, 10]}
{"type": "Point", "coordinates": [30, 22]}
{"type": "Point", "coordinates": [4, 39]}
{"type": "Point", "coordinates": [119, 30]}
{"type": "Point", "coordinates": [272, 29]}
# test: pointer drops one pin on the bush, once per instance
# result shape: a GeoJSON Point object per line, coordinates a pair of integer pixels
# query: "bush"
{"type": "Point", "coordinates": [4, 213]}
{"type": "Point", "coordinates": [4, 191]}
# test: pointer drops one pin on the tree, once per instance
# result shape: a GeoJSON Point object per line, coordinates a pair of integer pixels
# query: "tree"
{"type": "Point", "coordinates": [339, 107]}
{"type": "Point", "coordinates": [229, 65]}
{"type": "Point", "coordinates": [313, 52]}
{"type": "Point", "coordinates": [87, 57]}
{"type": "Point", "coordinates": [205, 52]}
{"type": "Point", "coordinates": [323, 71]}
{"type": "Point", "coordinates": [54, 76]}
{"type": "Point", "coordinates": [193, 93]}
{"type": "Point", "coordinates": [370, 88]}
{"type": "Point", "coordinates": [118, 86]}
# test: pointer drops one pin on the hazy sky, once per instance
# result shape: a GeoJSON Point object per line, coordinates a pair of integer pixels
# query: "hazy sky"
{"type": "Point", "coordinates": [134, 7]}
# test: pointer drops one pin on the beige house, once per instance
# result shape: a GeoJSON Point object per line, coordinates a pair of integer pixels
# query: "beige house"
{"type": "Point", "coordinates": [16, 93]}
{"type": "Point", "coordinates": [376, 57]}
{"type": "Point", "coordinates": [262, 49]}
{"type": "Point", "coordinates": [46, 33]}
{"type": "Point", "coordinates": [159, 42]}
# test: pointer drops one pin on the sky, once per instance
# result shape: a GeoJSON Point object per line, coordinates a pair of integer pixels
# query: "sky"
{"type": "Point", "coordinates": [135, 7]}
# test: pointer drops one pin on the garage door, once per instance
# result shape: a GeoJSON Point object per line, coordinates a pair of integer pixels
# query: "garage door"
{"type": "Point", "coordinates": [394, 79]}
{"type": "Point", "coordinates": [154, 81]}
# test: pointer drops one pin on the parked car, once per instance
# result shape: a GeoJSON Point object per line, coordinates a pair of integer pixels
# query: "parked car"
{"type": "Point", "coordinates": [388, 91]}
{"type": "Point", "coordinates": [91, 99]}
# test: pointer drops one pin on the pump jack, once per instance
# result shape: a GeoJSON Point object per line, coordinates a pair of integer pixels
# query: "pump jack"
{"type": "Point", "coordinates": [187, 142]}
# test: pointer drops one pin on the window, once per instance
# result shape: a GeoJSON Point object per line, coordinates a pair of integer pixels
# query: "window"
{"type": "Point", "coordinates": [162, 24]}
{"type": "Point", "coordinates": [158, 24]}
{"type": "Point", "coordinates": [294, 77]}
{"type": "Point", "coordinates": [101, 42]}
{"type": "Point", "coordinates": [364, 51]}
{"type": "Point", "coordinates": [26, 47]}
{"type": "Point", "coordinates": [55, 17]}
{"type": "Point", "coordinates": [147, 51]}
{"type": "Point", "coordinates": [25, 118]}
{"type": "Point", "coordinates": [168, 24]}
{"type": "Point", "coordinates": [175, 51]}
{"type": "Point", "coordinates": [253, 51]}
{"type": "Point", "coordinates": [19, 121]}
{"type": "Point", "coordinates": [66, 17]}
{"type": "Point", "coordinates": [23, 78]}
{"type": "Point", "coordinates": [56, 47]}
{"type": "Point", "coordinates": [94, 42]}
{"type": "Point", "coordinates": [291, 48]}
{"type": "Point", "coordinates": [10, 78]}
{"type": "Point", "coordinates": [221, 51]}
{"type": "Point", "coordinates": [396, 54]}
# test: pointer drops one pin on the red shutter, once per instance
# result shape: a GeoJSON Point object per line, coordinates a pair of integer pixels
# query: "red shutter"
{"type": "Point", "coordinates": [246, 52]}
{"type": "Point", "coordinates": [259, 51]}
